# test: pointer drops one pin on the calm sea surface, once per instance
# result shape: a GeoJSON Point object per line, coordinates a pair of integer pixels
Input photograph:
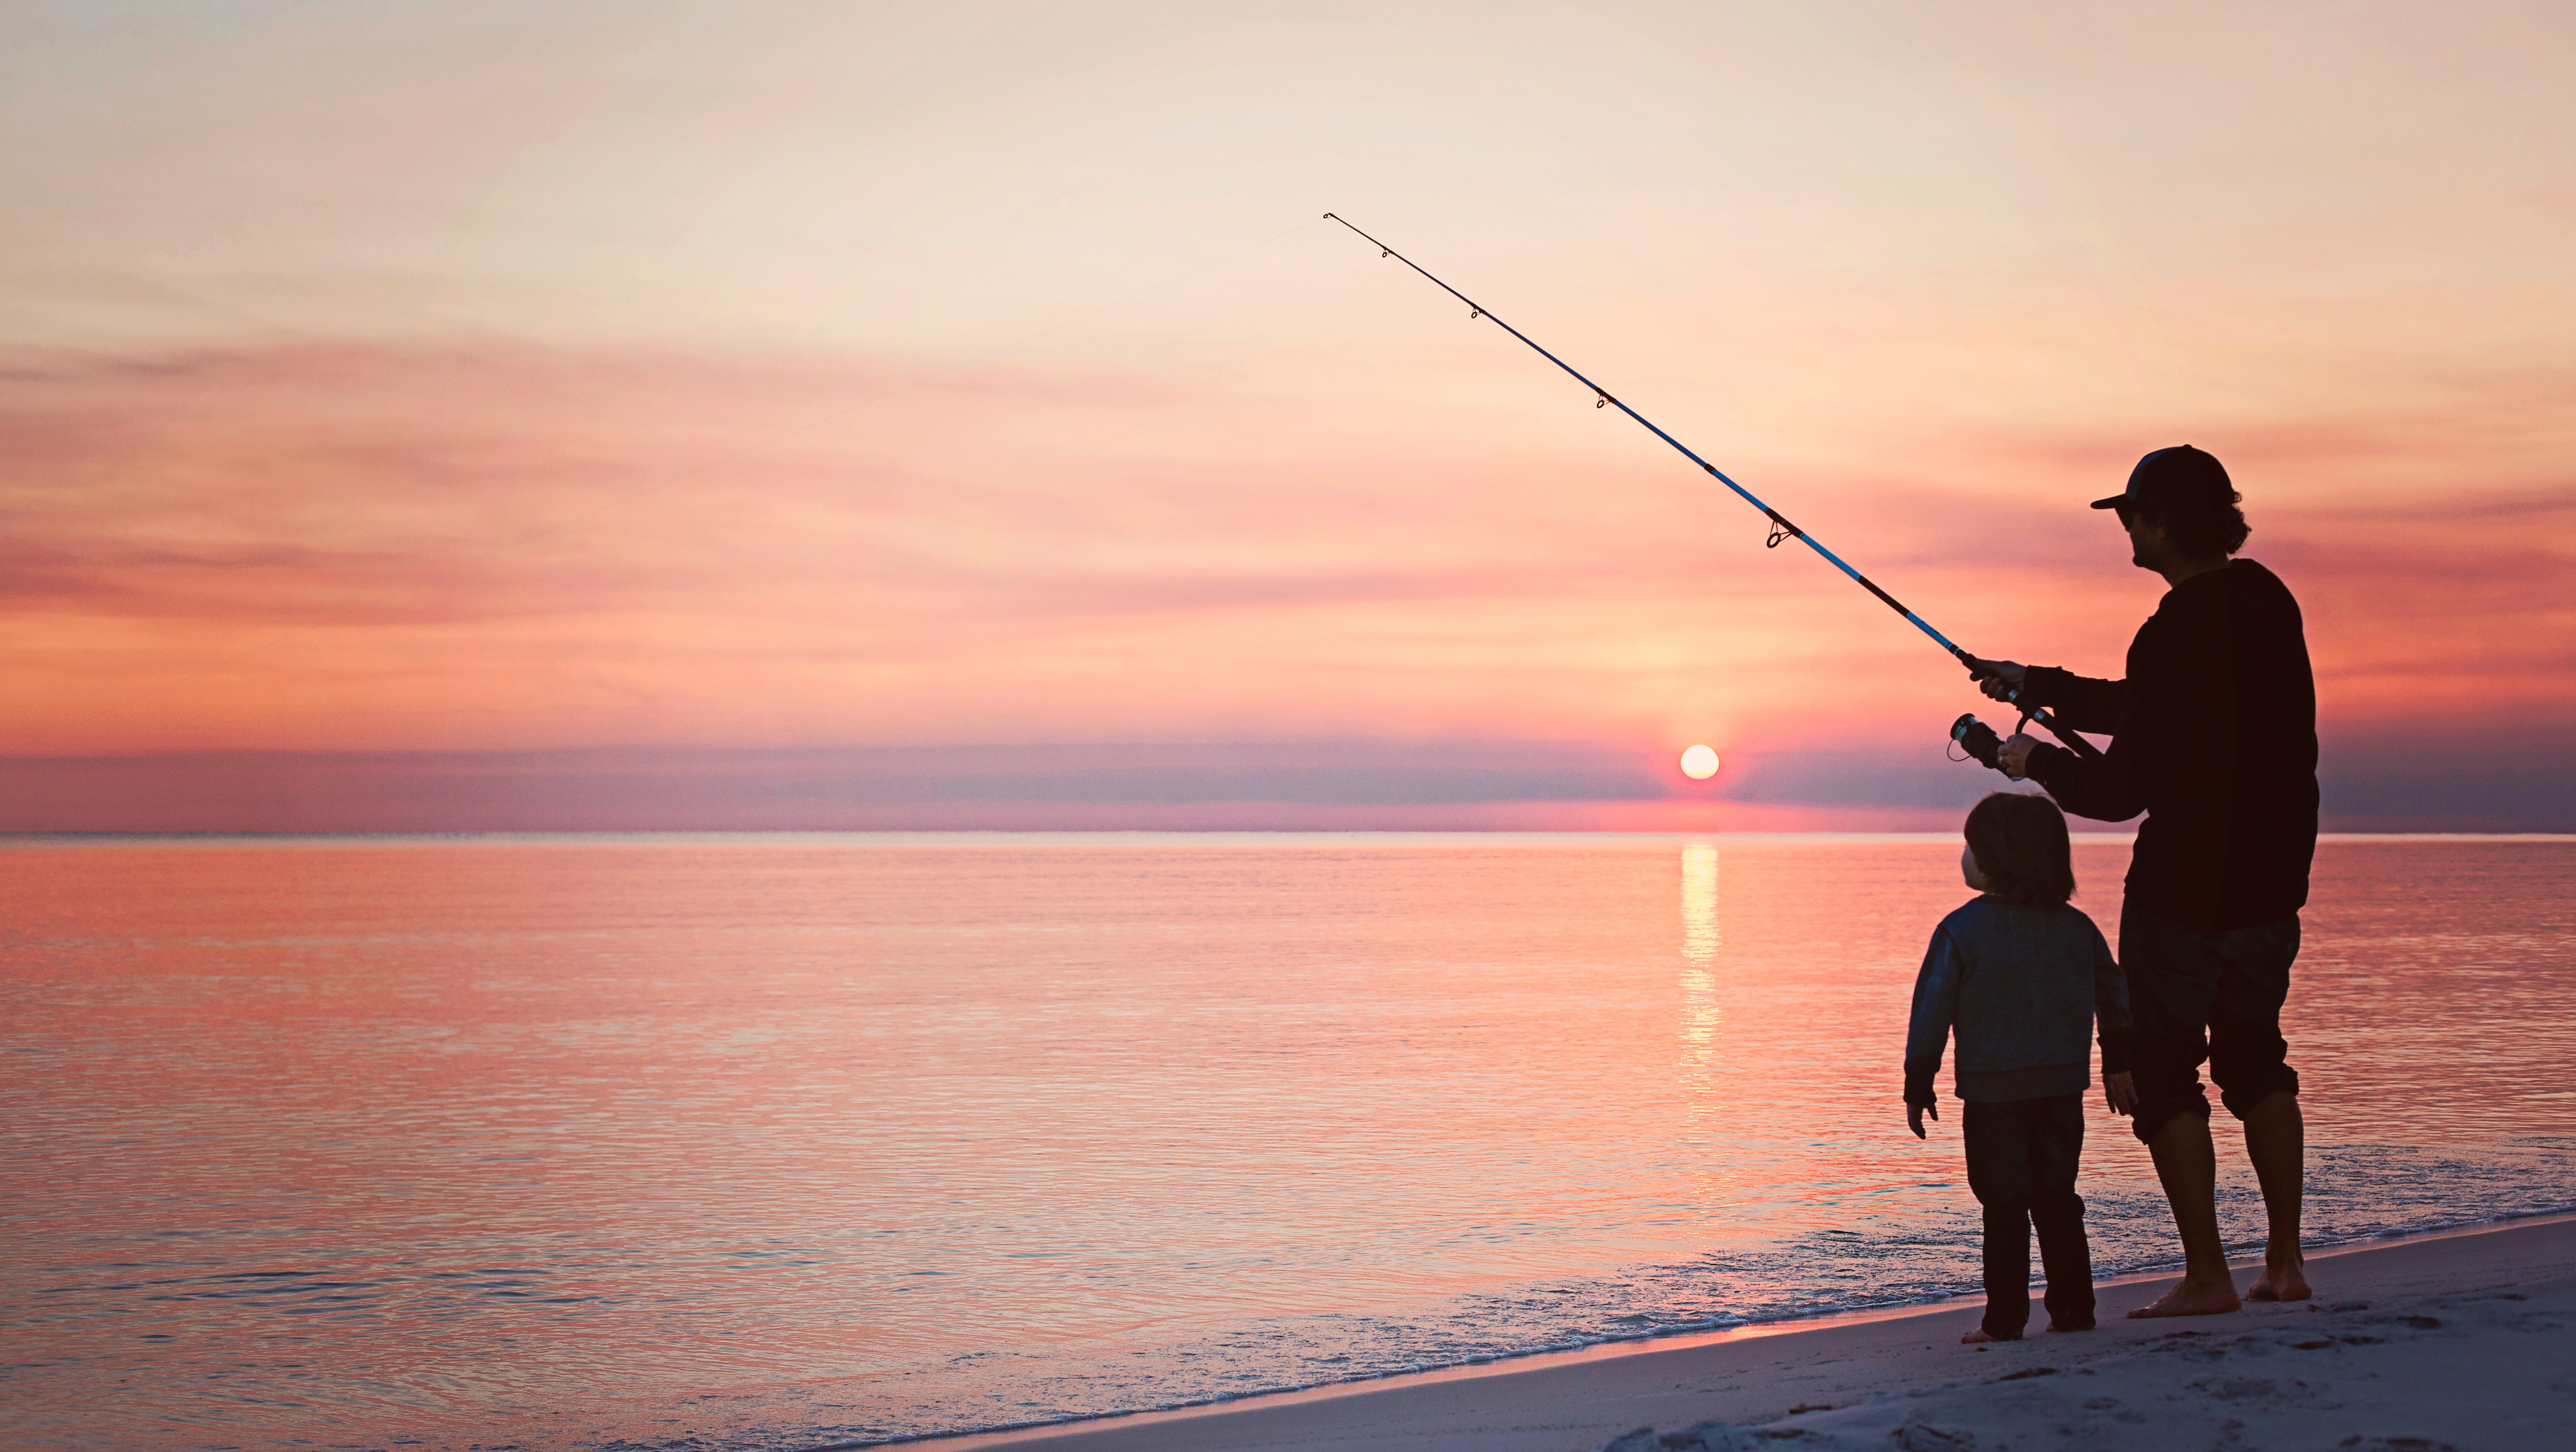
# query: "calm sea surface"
{"type": "Point", "coordinates": [777, 1143]}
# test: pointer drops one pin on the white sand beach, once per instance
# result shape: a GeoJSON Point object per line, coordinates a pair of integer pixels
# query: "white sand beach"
{"type": "Point", "coordinates": [2447, 1342]}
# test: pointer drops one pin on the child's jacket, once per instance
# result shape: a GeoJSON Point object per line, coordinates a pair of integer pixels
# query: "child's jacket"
{"type": "Point", "coordinates": [2023, 986]}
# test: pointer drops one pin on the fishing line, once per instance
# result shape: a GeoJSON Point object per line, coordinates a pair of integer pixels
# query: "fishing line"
{"type": "Point", "coordinates": [1781, 528]}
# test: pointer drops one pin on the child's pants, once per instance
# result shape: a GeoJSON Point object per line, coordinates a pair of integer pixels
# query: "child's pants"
{"type": "Point", "coordinates": [2021, 1164]}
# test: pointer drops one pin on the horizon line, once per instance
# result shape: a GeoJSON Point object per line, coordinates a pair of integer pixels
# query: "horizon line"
{"type": "Point", "coordinates": [931, 837]}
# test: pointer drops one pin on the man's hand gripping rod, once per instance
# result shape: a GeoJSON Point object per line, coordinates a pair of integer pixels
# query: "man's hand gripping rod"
{"type": "Point", "coordinates": [1781, 528]}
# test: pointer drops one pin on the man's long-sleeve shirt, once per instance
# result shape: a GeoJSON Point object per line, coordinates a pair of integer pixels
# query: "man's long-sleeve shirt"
{"type": "Point", "coordinates": [2023, 986]}
{"type": "Point", "coordinates": [2214, 737]}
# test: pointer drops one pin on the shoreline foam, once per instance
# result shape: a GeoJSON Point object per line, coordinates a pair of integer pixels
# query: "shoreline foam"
{"type": "Point", "coordinates": [1582, 1398]}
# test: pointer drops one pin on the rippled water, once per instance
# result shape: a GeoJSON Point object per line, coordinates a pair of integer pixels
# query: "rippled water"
{"type": "Point", "coordinates": [772, 1143]}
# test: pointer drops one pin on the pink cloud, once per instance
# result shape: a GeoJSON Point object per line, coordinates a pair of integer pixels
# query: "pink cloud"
{"type": "Point", "coordinates": [379, 549]}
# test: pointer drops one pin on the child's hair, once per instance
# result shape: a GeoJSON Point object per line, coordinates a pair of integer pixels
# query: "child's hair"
{"type": "Point", "coordinates": [2021, 847]}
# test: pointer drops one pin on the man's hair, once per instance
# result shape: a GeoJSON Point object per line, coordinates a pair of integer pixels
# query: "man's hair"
{"type": "Point", "coordinates": [2021, 847]}
{"type": "Point", "coordinates": [2199, 523]}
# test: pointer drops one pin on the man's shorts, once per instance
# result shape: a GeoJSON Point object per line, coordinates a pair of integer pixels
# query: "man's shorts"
{"type": "Point", "coordinates": [2213, 996]}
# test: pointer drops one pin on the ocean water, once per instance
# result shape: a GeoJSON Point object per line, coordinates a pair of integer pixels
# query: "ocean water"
{"type": "Point", "coordinates": [794, 1142]}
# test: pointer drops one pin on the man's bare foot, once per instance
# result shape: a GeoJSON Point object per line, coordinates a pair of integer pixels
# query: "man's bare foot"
{"type": "Point", "coordinates": [2279, 1283]}
{"type": "Point", "coordinates": [2053, 1326]}
{"type": "Point", "coordinates": [1980, 1336]}
{"type": "Point", "coordinates": [2192, 1298]}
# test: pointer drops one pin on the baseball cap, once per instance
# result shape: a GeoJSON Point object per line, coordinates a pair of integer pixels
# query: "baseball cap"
{"type": "Point", "coordinates": [2179, 473]}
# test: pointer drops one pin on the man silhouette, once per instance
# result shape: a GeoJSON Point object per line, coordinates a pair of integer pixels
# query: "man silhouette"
{"type": "Point", "coordinates": [2213, 736]}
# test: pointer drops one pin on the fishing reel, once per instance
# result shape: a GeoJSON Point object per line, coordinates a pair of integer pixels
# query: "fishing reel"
{"type": "Point", "coordinates": [1986, 748]}
{"type": "Point", "coordinates": [1977, 739]}
{"type": "Point", "coordinates": [1982, 744]}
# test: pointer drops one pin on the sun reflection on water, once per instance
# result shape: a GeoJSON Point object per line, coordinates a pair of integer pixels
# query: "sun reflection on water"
{"type": "Point", "coordinates": [1699, 904]}
{"type": "Point", "coordinates": [1701, 1017]}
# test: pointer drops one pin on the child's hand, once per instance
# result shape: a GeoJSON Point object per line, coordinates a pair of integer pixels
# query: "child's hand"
{"type": "Point", "coordinates": [1914, 1116]}
{"type": "Point", "coordinates": [2122, 1093]}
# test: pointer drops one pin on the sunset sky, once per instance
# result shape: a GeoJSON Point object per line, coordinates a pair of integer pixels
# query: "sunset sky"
{"type": "Point", "coordinates": [685, 415]}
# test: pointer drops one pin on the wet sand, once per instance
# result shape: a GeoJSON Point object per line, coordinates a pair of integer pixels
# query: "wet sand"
{"type": "Point", "coordinates": [2454, 1341]}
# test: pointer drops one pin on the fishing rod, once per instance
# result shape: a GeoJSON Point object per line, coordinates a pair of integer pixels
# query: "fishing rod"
{"type": "Point", "coordinates": [1975, 735]}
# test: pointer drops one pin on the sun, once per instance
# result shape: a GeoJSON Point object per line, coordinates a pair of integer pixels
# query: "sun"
{"type": "Point", "coordinates": [1699, 763]}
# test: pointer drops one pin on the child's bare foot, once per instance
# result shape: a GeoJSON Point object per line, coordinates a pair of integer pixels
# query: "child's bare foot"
{"type": "Point", "coordinates": [1981, 1336]}
{"type": "Point", "coordinates": [2279, 1283]}
{"type": "Point", "coordinates": [2191, 1297]}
